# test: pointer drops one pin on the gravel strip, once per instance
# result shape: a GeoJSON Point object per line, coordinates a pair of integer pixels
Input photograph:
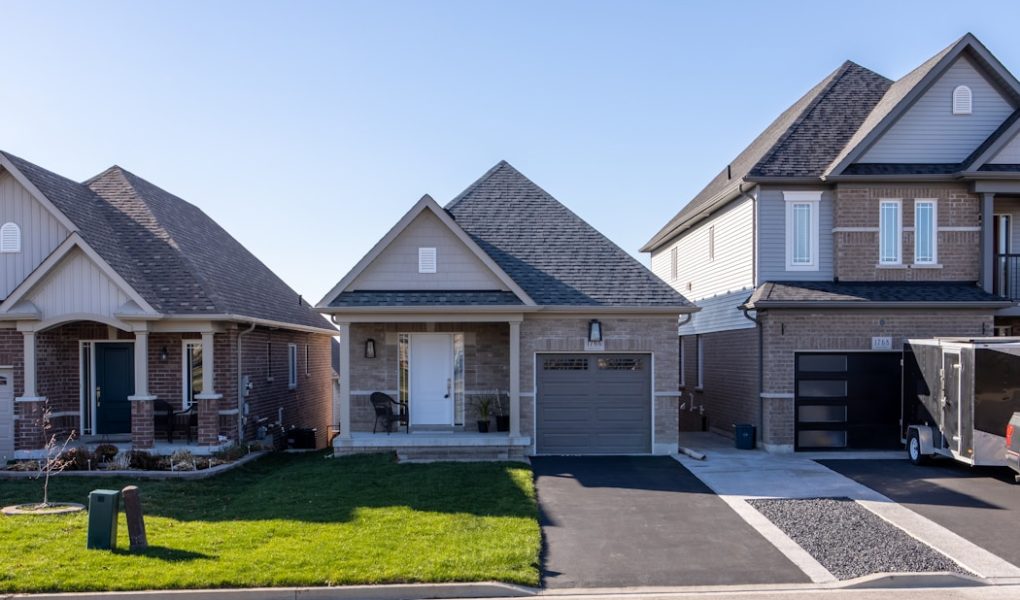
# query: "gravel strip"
{"type": "Point", "coordinates": [849, 540]}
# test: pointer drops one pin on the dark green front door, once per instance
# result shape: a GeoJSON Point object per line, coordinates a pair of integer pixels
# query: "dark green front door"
{"type": "Point", "coordinates": [115, 381]}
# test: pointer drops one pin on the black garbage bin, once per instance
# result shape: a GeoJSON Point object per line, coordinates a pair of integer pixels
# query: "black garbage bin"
{"type": "Point", "coordinates": [744, 435]}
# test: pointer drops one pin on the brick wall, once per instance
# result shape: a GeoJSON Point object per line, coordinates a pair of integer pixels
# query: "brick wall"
{"type": "Point", "coordinates": [730, 391]}
{"type": "Point", "coordinates": [856, 252]}
{"type": "Point", "coordinates": [789, 331]}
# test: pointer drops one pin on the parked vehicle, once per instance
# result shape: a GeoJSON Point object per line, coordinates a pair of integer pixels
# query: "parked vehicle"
{"type": "Point", "coordinates": [1013, 443]}
{"type": "Point", "coordinates": [959, 395]}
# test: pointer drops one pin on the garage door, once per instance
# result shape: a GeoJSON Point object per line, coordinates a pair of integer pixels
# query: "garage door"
{"type": "Point", "coordinates": [594, 404]}
{"type": "Point", "coordinates": [847, 400]}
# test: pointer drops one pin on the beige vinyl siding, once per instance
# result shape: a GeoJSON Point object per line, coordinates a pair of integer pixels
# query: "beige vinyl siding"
{"type": "Point", "coordinates": [719, 313]}
{"type": "Point", "coordinates": [732, 268]}
{"type": "Point", "coordinates": [41, 232]}
{"type": "Point", "coordinates": [396, 268]}
{"type": "Point", "coordinates": [76, 286]}
{"type": "Point", "coordinates": [772, 237]}
{"type": "Point", "coordinates": [929, 132]}
{"type": "Point", "coordinates": [1009, 155]}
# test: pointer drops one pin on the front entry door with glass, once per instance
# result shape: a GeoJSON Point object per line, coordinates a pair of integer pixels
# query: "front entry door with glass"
{"type": "Point", "coordinates": [431, 380]}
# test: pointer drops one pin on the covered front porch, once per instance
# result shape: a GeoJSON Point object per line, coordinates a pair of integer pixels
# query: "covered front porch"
{"type": "Point", "coordinates": [451, 388]}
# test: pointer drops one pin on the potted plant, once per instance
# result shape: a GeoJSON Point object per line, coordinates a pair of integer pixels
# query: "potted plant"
{"type": "Point", "coordinates": [483, 404]}
{"type": "Point", "coordinates": [502, 411]}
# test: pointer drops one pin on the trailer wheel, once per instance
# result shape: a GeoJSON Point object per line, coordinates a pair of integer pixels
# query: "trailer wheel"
{"type": "Point", "coordinates": [914, 448]}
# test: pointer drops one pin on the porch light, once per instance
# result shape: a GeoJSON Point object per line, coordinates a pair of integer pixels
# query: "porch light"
{"type": "Point", "coordinates": [369, 348]}
{"type": "Point", "coordinates": [162, 354]}
{"type": "Point", "coordinates": [594, 331]}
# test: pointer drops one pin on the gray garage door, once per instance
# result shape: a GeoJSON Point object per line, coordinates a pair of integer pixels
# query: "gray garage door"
{"type": "Point", "coordinates": [594, 404]}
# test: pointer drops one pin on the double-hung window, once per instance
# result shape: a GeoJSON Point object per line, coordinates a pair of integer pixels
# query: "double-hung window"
{"type": "Point", "coordinates": [890, 232]}
{"type": "Point", "coordinates": [191, 372]}
{"type": "Point", "coordinates": [802, 230]}
{"type": "Point", "coordinates": [925, 232]}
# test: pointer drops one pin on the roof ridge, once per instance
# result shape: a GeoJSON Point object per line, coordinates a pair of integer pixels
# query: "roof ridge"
{"type": "Point", "coordinates": [474, 185]}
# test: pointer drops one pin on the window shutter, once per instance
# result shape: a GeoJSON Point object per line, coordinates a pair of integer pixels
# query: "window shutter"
{"type": "Point", "coordinates": [962, 100]}
{"type": "Point", "coordinates": [10, 238]}
{"type": "Point", "coordinates": [426, 260]}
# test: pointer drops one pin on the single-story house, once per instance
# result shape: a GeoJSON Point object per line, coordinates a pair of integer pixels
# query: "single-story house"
{"type": "Point", "coordinates": [121, 303]}
{"type": "Point", "coordinates": [504, 304]}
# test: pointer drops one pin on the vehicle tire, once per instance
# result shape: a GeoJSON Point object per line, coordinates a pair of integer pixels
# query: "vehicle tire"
{"type": "Point", "coordinates": [914, 448]}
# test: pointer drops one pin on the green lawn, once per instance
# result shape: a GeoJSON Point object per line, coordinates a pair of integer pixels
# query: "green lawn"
{"type": "Point", "coordinates": [288, 520]}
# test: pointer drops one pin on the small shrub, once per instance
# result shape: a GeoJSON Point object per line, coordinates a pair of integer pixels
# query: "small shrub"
{"type": "Point", "coordinates": [78, 459]}
{"type": "Point", "coordinates": [106, 452]}
{"type": "Point", "coordinates": [182, 460]}
{"type": "Point", "coordinates": [140, 459]}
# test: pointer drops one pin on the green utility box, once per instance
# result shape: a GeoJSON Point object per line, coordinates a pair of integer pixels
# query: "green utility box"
{"type": "Point", "coordinates": [104, 506]}
{"type": "Point", "coordinates": [744, 435]}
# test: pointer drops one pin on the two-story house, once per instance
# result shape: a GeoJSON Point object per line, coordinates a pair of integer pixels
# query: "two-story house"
{"type": "Point", "coordinates": [125, 310]}
{"type": "Point", "coordinates": [871, 211]}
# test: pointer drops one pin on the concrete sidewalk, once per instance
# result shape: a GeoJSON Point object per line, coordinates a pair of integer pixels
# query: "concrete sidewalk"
{"type": "Point", "coordinates": [738, 475]}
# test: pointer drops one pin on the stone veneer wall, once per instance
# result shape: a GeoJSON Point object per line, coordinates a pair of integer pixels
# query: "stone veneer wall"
{"type": "Point", "coordinates": [856, 252]}
{"type": "Point", "coordinates": [789, 331]}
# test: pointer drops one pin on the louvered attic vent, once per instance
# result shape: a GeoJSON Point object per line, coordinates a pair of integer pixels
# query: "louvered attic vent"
{"type": "Point", "coordinates": [426, 260]}
{"type": "Point", "coordinates": [10, 238]}
{"type": "Point", "coordinates": [962, 100]}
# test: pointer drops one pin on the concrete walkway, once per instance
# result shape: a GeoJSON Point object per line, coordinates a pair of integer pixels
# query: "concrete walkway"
{"type": "Point", "coordinates": [738, 475]}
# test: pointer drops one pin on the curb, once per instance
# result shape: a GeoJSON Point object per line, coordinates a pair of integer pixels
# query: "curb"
{"type": "Point", "coordinates": [942, 579]}
{"type": "Point", "coordinates": [139, 474]}
{"type": "Point", "coordinates": [423, 591]}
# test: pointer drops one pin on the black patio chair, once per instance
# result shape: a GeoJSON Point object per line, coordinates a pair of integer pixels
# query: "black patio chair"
{"type": "Point", "coordinates": [187, 419]}
{"type": "Point", "coordinates": [384, 406]}
{"type": "Point", "coordinates": [163, 419]}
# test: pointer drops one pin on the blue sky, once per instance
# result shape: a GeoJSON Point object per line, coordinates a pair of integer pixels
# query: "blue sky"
{"type": "Point", "coordinates": [308, 128]}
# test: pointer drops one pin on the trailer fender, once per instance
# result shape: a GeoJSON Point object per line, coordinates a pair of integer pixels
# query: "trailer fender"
{"type": "Point", "coordinates": [926, 436]}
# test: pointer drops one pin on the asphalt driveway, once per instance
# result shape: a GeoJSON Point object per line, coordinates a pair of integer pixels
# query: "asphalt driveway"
{"type": "Point", "coordinates": [644, 521]}
{"type": "Point", "coordinates": [979, 504]}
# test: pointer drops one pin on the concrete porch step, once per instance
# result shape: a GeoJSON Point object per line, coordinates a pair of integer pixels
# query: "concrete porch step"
{"type": "Point", "coordinates": [458, 453]}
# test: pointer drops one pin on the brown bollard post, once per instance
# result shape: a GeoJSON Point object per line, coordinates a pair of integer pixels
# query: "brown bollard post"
{"type": "Point", "coordinates": [135, 522]}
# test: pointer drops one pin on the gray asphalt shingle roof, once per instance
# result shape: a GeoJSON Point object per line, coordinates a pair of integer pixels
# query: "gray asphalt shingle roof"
{"type": "Point", "coordinates": [552, 254]}
{"type": "Point", "coordinates": [170, 252]}
{"type": "Point", "coordinates": [870, 292]}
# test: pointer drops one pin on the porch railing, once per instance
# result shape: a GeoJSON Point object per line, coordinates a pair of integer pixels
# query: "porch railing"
{"type": "Point", "coordinates": [1007, 276]}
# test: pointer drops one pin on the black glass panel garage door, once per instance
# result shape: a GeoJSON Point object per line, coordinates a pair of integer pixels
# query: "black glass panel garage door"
{"type": "Point", "coordinates": [849, 400]}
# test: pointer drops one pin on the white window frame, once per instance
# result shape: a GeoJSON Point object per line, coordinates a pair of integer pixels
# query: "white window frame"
{"type": "Point", "coordinates": [683, 363]}
{"type": "Point", "coordinates": [428, 260]}
{"type": "Point", "coordinates": [291, 366]}
{"type": "Point", "coordinates": [934, 231]}
{"type": "Point", "coordinates": [813, 200]}
{"type": "Point", "coordinates": [711, 243]}
{"type": "Point", "coordinates": [308, 363]}
{"type": "Point", "coordinates": [700, 341]}
{"type": "Point", "coordinates": [674, 263]}
{"type": "Point", "coordinates": [186, 378]}
{"type": "Point", "coordinates": [10, 238]}
{"type": "Point", "coordinates": [898, 203]}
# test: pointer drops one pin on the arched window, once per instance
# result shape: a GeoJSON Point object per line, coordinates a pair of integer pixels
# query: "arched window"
{"type": "Point", "coordinates": [10, 238]}
{"type": "Point", "coordinates": [962, 104]}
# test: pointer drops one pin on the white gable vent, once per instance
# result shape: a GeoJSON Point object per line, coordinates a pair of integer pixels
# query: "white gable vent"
{"type": "Point", "coordinates": [426, 260]}
{"type": "Point", "coordinates": [962, 103]}
{"type": "Point", "coordinates": [10, 238]}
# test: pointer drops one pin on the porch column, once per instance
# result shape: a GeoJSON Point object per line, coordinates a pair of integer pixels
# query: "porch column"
{"type": "Point", "coordinates": [29, 394]}
{"type": "Point", "coordinates": [143, 432]}
{"type": "Point", "coordinates": [515, 378]}
{"type": "Point", "coordinates": [208, 400]}
{"type": "Point", "coordinates": [344, 415]}
{"type": "Point", "coordinates": [987, 242]}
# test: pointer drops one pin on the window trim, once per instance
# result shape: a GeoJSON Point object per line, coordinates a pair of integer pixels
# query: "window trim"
{"type": "Point", "coordinates": [898, 203]}
{"type": "Point", "coordinates": [13, 230]}
{"type": "Point", "coordinates": [308, 363]}
{"type": "Point", "coordinates": [812, 199]}
{"type": "Point", "coordinates": [700, 341]}
{"type": "Point", "coordinates": [683, 364]}
{"type": "Point", "coordinates": [292, 366]}
{"type": "Point", "coordinates": [711, 243]}
{"type": "Point", "coordinates": [674, 263]}
{"type": "Point", "coordinates": [186, 378]}
{"type": "Point", "coordinates": [934, 230]}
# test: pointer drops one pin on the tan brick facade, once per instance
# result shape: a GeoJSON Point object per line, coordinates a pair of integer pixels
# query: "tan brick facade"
{"type": "Point", "coordinates": [788, 331]}
{"type": "Point", "coordinates": [856, 252]}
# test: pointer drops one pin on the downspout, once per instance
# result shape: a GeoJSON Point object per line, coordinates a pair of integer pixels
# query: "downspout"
{"type": "Point", "coordinates": [240, 385]}
{"type": "Point", "coordinates": [761, 369]}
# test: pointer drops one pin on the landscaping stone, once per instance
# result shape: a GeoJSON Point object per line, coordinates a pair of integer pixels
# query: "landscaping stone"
{"type": "Point", "coordinates": [849, 540]}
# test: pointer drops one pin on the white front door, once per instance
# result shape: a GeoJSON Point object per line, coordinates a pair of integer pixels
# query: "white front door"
{"type": "Point", "coordinates": [431, 375]}
{"type": "Point", "coordinates": [6, 415]}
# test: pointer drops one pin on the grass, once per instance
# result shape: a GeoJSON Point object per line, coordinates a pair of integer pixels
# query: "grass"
{"type": "Point", "coordinates": [288, 520]}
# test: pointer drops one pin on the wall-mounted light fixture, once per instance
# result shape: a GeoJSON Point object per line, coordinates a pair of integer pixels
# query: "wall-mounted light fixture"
{"type": "Point", "coordinates": [162, 354]}
{"type": "Point", "coordinates": [369, 348]}
{"type": "Point", "coordinates": [594, 331]}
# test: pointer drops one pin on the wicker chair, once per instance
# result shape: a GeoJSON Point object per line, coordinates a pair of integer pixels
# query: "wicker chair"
{"type": "Point", "coordinates": [387, 411]}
